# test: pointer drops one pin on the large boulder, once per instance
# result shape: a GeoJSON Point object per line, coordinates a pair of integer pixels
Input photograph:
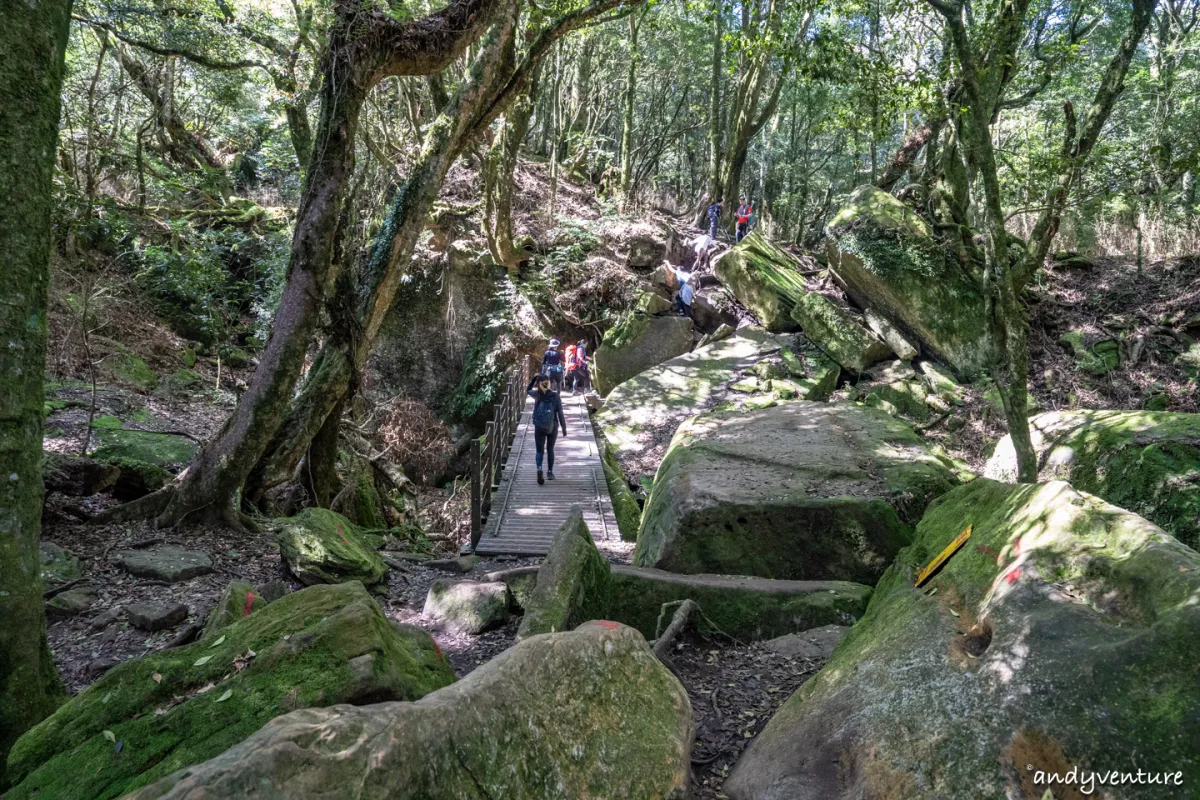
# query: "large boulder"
{"type": "Point", "coordinates": [884, 255]}
{"type": "Point", "coordinates": [163, 449]}
{"type": "Point", "coordinates": [1062, 635]}
{"type": "Point", "coordinates": [804, 490]}
{"type": "Point", "coordinates": [237, 601]}
{"type": "Point", "coordinates": [636, 343]}
{"type": "Point", "coordinates": [77, 476]}
{"type": "Point", "coordinates": [585, 713]}
{"type": "Point", "coordinates": [1145, 462]}
{"type": "Point", "coordinates": [58, 566]}
{"type": "Point", "coordinates": [641, 414]}
{"type": "Point", "coordinates": [764, 278]}
{"type": "Point", "coordinates": [836, 332]}
{"type": "Point", "coordinates": [468, 606]}
{"type": "Point", "coordinates": [166, 563]}
{"type": "Point", "coordinates": [151, 716]}
{"type": "Point", "coordinates": [572, 583]}
{"type": "Point", "coordinates": [322, 546]}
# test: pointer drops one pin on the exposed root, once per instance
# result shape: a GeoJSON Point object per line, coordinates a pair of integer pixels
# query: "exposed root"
{"type": "Point", "coordinates": [684, 611]}
{"type": "Point", "coordinates": [148, 507]}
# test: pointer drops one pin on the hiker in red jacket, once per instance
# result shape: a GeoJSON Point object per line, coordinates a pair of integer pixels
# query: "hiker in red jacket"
{"type": "Point", "coordinates": [744, 212]}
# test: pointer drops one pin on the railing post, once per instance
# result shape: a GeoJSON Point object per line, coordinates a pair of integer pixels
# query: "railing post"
{"type": "Point", "coordinates": [498, 453]}
{"type": "Point", "coordinates": [476, 496]}
{"type": "Point", "coordinates": [487, 465]}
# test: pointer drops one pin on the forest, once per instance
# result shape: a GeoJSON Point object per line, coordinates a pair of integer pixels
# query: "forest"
{"type": "Point", "coordinates": [864, 334]}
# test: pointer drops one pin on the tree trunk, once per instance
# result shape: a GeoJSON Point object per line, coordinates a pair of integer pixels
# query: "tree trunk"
{"type": "Point", "coordinates": [498, 179]}
{"type": "Point", "coordinates": [713, 191]}
{"type": "Point", "coordinates": [33, 40]}
{"type": "Point", "coordinates": [635, 22]}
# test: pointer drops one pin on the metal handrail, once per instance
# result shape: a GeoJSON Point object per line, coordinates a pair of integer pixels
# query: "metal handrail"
{"type": "Point", "coordinates": [490, 451]}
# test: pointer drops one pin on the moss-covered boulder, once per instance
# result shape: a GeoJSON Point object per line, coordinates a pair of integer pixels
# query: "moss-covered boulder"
{"type": "Point", "coordinates": [468, 606]}
{"type": "Point", "coordinates": [906, 398]}
{"type": "Point", "coordinates": [802, 491]}
{"type": "Point", "coordinates": [70, 603]}
{"type": "Point", "coordinates": [625, 505]}
{"type": "Point", "coordinates": [652, 303]}
{"type": "Point", "coordinates": [136, 478]}
{"type": "Point", "coordinates": [238, 600]}
{"type": "Point", "coordinates": [572, 583]}
{"type": "Point", "coordinates": [165, 450]}
{"type": "Point", "coordinates": [322, 546]}
{"type": "Point", "coordinates": [77, 476]}
{"type": "Point", "coordinates": [885, 256]}
{"type": "Point", "coordinates": [647, 408]}
{"type": "Point", "coordinates": [1094, 355]}
{"type": "Point", "coordinates": [764, 278]}
{"type": "Point", "coordinates": [1145, 462]}
{"type": "Point", "coordinates": [586, 713]}
{"type": "Point", "coordinates": [636, 343]}
{"type": "Point", "coordinates": [1061, 635]}
{"type": "Point", "coordinates": [836, 332]}
{"type": "Point", "coordinates": [151, 716]}
{"type": "Point", "coordinates": [890, 334]}
{"type": "Point", "coordinates": [58, 566]}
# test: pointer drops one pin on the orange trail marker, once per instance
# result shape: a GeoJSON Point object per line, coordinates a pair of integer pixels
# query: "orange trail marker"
{"type": "Point", "coordinates": [942, 557]}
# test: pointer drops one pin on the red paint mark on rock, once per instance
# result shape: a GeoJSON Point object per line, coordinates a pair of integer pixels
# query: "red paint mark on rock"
{"type": "Point", "coordinates": [1013, 575]}
{"type": "Point", "coordinates": [612, 626]}
{"type": "Point", "coordinates": [437, 650]}
{"type": "Point", "coordinates": [246, 609]}
{"type": "Point", "coordinates": [341, 535]}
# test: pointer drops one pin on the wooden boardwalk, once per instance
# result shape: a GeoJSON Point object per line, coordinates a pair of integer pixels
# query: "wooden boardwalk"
{"type": "Point", "coordinates": [524, 516]}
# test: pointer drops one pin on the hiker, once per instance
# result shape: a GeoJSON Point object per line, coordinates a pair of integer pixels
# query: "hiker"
{"type": "Point", "coordinates": [547, 417]}
{"type": "Point", "coordinates": [744, 212]}
{"type": "Point", "coordinates": [580, 375]}
{"type": "Point", "coordinates": [552, 365]}
{"type": "Point", "coordinates": [702, 246]}
{"type": "Point", "coordinates": [686, 293]}
{"type": "Point", "coordinates": [714, 216]}
{"type": "Point", "coordinates": [568, 364]}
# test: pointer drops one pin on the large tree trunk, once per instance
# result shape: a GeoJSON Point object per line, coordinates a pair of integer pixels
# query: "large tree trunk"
{"type": "Point", "coordinates": [498, 179]}
{"type": "Point", "coordinates": [713, 190]}
{"type": "Point", "coordinates": [635, 23]}
{"type": "Point", "coordinates": [33, 42]}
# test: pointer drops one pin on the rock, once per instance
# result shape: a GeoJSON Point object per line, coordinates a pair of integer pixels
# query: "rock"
{"type": "Point", "coordinates": [833, 330]}
{"type": "Point", "coordinates": [652, 303]}
{"type": "Point", "coordinates": [586, 713]}
{"type": "Point", "coordinates": [882, 252]}
{"type": "Point", "coordinates": [317, 647]}
{"type": "Point", "coordinates": [1100, 358]}
{"type": "Point", "coordinates": [721, 333]}
{"type": "Point", "coordinates": [636, 343]}
{"type": "Point", "coordinates": [76, 476]}
{"type": "Point", "coordinates": [710, 311]}
{"type": "Point", "coordinates": [764, 278]}
{"type": "Point", "coordinates": [58, 566]}
{"type": "Point", "coordinates": [156, 617]}
{"type": "Point", "coordinates": [1157, 402]}
{"type": "Point", "coordinates": [1069, 259]}
{"type": "Point", "coordinates": [170, 564]}
{"type": "Point", "coordinates": [594, 402]}
{"type": "Point", "coordinates": [137, 478]}
{"type": "Point", "coordinates": [1144, 462]}
{"type": "Point", "coordinates": [238, 600]}
{"type": "Point", "coordinates": [1057, 594]}
{"type": "Point", "coordinates": [804, 491]}
{"type": "Point", "coordinates": [70, 603]}
{"type": "Point", "coordinates": [645, 252]}
{"type": "Point", "coordinates": [625, 505]}
{"type": "Point", "coordinates": [572, 582]}
{"type": "Point", "coordinates": [822, 376]}
{"type": "Point", "coordinates": [165, 450]}
{"type": "Point", "coordinates": [751, 385]}
{"type": "Point", "coordinates": [890, 372]}
{"type": "Point", "coordinates": [322, 546]}
{"type": "Point", "coordinates": [188, 634]}
{"type": "Point", "coordinates": [940, 382]}
{"type": "Point", "coordinates": [98, 666]}
{"type": "Point", "coordinates": [891, 336]}
{"type": "Point", "coordinates": [104, 619]}
{"type": "Point", "coordinates": [816, 644]}
{"type": "Point", "coordinates": [653, 403]}
{"type": "Point", "coordinates": [467, 606]}
{"type": "Point", "coordinates": [461, 565]}
{"type": "Point", "coordinates": [904, 398]}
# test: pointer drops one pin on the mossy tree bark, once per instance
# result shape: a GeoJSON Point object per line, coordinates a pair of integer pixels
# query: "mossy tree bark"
{"type": "Point", "coordinates": [33, 41]}
{"type": "Point", "coordinates": [635, 24]}
{"type": "Point", "coordinates": [496, 81]}
{"type": "Point", "coordinates": [363, 48]}
{"type": "Point", "coordinates": [985, 67]}
{"type": "Point", "coordinates": [499, 176]}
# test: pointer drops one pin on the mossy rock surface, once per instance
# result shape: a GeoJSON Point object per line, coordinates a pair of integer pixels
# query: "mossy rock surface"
{"type": "Point", "coordinates": [625, 505]}
{"type": "Point", "coordinates": [238, 600]}
{"type": "Point", "coordinates": [78, 476]}
{"type": "Point", "coordinates": [907, 398]}
{"type": "Point", "coordinates": [58, 566]}
{"type": "Point", "coordinates": [885, 256]}
{"type": "Point", "coordinates": [836, 332]}
{"type": "Point", "coordinates": [317, 647]}
{"type": "Point", "coordinates": [661, 397]}
{"type": "Point", "coordinates": [137, 478]}
{"type": "Point", "coordinates": [636, 343]}
{"type": "Point", "coordinates": [131, 369]}
{"type": "Point", "coordinates": [322, 546]}
{"type": "Point", "coordinates": [802, 491]}
{"type": "Point", "coordinates": [1062, 634]}
{"type": "Point", "coordinates": [586, 713]}
{"type": "Point", "coordinates": [652, 303]}
{"type": "Point", "coordinates": [467, 606]}
{"type": "Point", "coordinates": [1145, 462]}
{"type": "Point", "coordinates": [572, 582]}
{"type": "Point", "coordinates": [165, 450]}
{"type": "Point", "coordinates": [1092, 356]}
{"type": "Point", "coordinates": [764, 278]}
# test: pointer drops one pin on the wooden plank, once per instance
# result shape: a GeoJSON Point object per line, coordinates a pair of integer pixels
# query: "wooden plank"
{"type": "Point", "coordinates": [942, 557]}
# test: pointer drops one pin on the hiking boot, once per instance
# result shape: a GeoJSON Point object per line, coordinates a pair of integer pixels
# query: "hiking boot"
{"type": "Point", "coordinates": [541, 480]}
{"type": "Point", "coordinates": [550, 475]}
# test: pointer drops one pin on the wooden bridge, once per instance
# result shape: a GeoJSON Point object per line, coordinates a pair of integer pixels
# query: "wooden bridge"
{"type": "Point", "coordinates": [512, 513]}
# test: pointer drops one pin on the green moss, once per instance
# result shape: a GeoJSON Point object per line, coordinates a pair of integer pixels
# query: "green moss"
{"type": "Point", "coordinates": [322, 546]}
{"type": "Point", "coordinates": [625, 505]}
{"type": "Point", "coordinates": [188, 357]}
{"type": "Point", "coordinates": [764, 278]}
{"type": "Point", "coordinates": [137, 478]}
{"type": "Point", "coordinates": [1099, 359]}
{"type": "Point", "coordinates": [906, 397]}
{"type": "Point", "coordinates": [309, 651]}
{"type": "Point", "coordinates": [238, 601]}
{"type": "Point", "coordinates": [627, 330]}
{"type": "Point", "coordinates": [132, 369]}
{"type": "Point", "coordinates": [154, 448]}
{"type": "Point", "coordinates": [183, 381]}
{"type": "Point", "coordinates": [832, 329]}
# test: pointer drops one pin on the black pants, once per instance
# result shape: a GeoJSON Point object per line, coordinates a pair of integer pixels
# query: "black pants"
{"type": "Point", "coordinates": [742, 229]}
{"type": "Point", "coordinates": [681, 307]}
{"type": "Point", "coordinates": [545, 443]}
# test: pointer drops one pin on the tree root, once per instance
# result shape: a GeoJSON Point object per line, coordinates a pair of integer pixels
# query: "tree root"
{"type": "Point", "coordinates": [148, 507]}
{"type": "Point", "coordinates": [664, 641]}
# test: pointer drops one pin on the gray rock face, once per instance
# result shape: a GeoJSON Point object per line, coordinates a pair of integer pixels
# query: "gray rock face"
{"type": "Point", "coordinates": [801, 491]}
{"type": "Point", "coordinates": [637, 343]}
{"type": "Point", "coordinates": [155, 616]}
{"type": "Point", "coordinates": [815, 644]}
{"type": "Point", "coordinates": [461, 565]}
{"type": "Point", "coordinates": [70, 603]}
{"type": "Point", "coordinates": [586, 713]}
{"type": "Point", "coordinates": [1062, 634]}
{"type": "Point", "coordinates": [468, 606]}
{"type": "Point", "coordinates": [58, 566]}
{"type": "Point", "coordinates": [170, 564]}
{"type": "Point", "coordinates": [890, 334]}
{"type": "Point", "coordinates": [572, 583]}
{"type": "Point", "coordinates": [836, 332]}
{"type": "Point", "coordinates": [77, 476]}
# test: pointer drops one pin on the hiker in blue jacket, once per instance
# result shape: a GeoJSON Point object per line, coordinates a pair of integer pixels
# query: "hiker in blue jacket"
{"type": "Point", "coordinates": [547, 417]}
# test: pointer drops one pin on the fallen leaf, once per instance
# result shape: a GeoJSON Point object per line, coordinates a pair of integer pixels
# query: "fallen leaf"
{"type": "Point", "coordinates": [200, 662]}
{"type": "Point", "coordinates": [955, 613]}
{"type": "Point", "coordinates": [156, 678]}
{"type": "Point", "coordinates": [112, 737]}
{"type": "Point", "coordinates": [226, 696]}
{"type": "Point", "coordinates": [107, 697]}
{"type": "Point", "coordinates": [218, 642]}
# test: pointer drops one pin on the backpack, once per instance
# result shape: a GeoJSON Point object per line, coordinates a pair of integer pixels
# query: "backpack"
{"type": "Point", "coordinates": [543, 412]}
{"type": "Point", "coordinates": [571, 358]}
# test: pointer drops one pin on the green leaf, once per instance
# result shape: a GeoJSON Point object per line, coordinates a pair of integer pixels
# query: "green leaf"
{"type": "Point", "coordinates": [200, 662]}
{"type": "Point", "coordinates": [106, 698]}
{"type": "Point", "coordinates": [217, 642]}
{"type": "Point", "coordinates": [226, 696]}
{"type": "Point", "coordinates": [112, 737]}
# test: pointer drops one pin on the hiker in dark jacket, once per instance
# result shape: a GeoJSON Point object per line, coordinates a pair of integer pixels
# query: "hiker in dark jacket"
{"type": "Point", "coordinates": [547, 417]}
{"type": "Point", "coordinates": [714, 216]}
{"type": "Point", "coordinates": [552, 364]}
